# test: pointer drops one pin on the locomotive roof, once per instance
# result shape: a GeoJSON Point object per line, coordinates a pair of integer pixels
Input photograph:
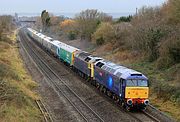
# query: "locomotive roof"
{"type": "Point", "coordinates": [49, 38]}
{"type": "Point", "coordinates": [57, 43]}
{"type": "Point", "coordinates": [119, 70]}
{"type": "Point", "coordinates": [40, 35]}
{"type": "Point", "coordinates": [64, 46]}
{"type": "Point", "coordinates": [46, 38]}
{"type": "Point", "coordinates": [83, 54]}
{"type": "Point", "coordinates": [87, 56]}
{"type": "Point", "coordinates": [33, 31]}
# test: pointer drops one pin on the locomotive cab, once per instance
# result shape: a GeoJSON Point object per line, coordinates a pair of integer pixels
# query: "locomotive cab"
{"type": "Point", "coordinates": [137, 92]}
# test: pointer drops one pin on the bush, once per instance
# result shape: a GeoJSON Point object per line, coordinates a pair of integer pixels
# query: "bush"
{"type": "Point", "coordinates": [72, 35]}
{"type": "Point", "coordinates": [147, 40]}
{"type": "Point", "coordinates": [174, 52]}
{"type": "Point", "coordinates": [172, 13]}
{"type": "Point", "coordinates": [88, 21]}
{"type": "Point", "coordinates": [169, 50]}
{"type": "Point", "coordinates": [153, 37]}
{"type": "Point", "coordinates": [124, 19]}
{"type": "Point", "coordinates": [164, 62]}
{"type": "Point", "coordinates": [100, 41]}
{"type": "Point", "coordinates": [147, 32]}
{"type": "Point", "coordinates": [166, 91]}
{"type": "Point", "coordinates": [103, 34]}
{"type": "Point", "coordinates": [122, 34]}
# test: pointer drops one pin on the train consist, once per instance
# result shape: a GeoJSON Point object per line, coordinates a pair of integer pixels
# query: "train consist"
{"type": "Point", "coordinates": [126, 86]}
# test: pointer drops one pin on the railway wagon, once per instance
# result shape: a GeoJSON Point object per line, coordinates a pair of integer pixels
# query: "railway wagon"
{"type": "Point", "coordinates": [36, 36]}
{"type": "Point", "coordinates": [46, 41]}
{"type": "Point", "coordinates": [66, 53]}
{"type": "Point", "coordinates": [55, 46]}
{"type": "Point", "coordinates": [125, 85]}
{"type": "Point", "coordinates": [50, 43]}
{"type": "Point", "coordinates": [40, 38]}
{"type": "Point", "coordinates": [30, 32]}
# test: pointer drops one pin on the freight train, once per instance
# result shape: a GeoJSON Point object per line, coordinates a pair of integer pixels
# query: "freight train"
{"type": "Point", "coordinates": [124, 85]}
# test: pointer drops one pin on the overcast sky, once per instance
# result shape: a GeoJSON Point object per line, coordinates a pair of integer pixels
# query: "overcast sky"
{"type": "Point", "coordinates": [74, 6]}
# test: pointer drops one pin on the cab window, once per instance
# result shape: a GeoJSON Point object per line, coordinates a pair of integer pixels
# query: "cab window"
{"type": "Point", "coordinates": [99, 64]}
{"type": "Point", "coordinates": [142, 83]}
{"type": "Point", "coordinates": [135, 83]}
{"type": "Point", "coordinates": [131, 83]}
{"type": "Point", "coordinates": [87, 59]}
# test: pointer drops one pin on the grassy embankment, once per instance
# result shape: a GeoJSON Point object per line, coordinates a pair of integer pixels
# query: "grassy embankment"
{"type": "Point", "coordinates": [16, 86]}
{"type": "Point", "coordinates": [158, 78]}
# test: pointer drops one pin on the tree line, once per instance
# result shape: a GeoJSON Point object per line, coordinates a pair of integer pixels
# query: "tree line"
{"type": "Point", "coordinates": [153, 31]}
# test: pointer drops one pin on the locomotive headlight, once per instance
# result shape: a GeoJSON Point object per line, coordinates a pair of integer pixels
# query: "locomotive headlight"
{"type": "Point", "coordinates": [129, 101]}
{"type": "Point", "coordinates": [146, 102]}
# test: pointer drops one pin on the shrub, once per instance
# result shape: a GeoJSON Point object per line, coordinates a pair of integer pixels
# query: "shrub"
{"type": "Point", "coordinates": [72, 35]}
{"type": "Point", "coordinates": [103, 34]}
{"type": "Point", "coordinates": [124, 19]}
{"type": "Point", "coordinates": [88, 21]}
{"type": "Point", "coordinates": [166, 91]}
{"type": "Point", "coordinates": [122, 34]}
{"type": "Point", "coordinates": [174, 52]}
{"type": "Point", "coordinates": [164, 62]}
{"type": "Point", "coordinates": [153, 37]}
{"type": "Point", "coordinates": [100, 41]}
{"type": "Point", "coordinates": [172, 11]}
{"type": "Point", "coordinates": [169, 50]}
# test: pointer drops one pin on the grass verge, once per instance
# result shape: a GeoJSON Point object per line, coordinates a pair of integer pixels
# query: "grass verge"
{"type": "Point", "coordinates": [16, 86]}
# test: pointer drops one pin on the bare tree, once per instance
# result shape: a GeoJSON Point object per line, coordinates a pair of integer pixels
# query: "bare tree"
{"type": "Point", "coordinates": [88, 21]}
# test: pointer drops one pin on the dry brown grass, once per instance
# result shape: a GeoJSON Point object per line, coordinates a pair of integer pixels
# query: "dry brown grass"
{"type": "Point", "coordinates": [168, 107]}
{"type": "Point", "coordinates": [18, 104]}
{"type": "Point", "coordinates": [103, 50]}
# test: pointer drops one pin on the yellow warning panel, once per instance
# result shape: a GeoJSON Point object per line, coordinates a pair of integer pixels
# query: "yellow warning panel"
{"type": "Point", "coordinates": [136, 92]}
{"type": "Point", "coordinates": [92, 70]}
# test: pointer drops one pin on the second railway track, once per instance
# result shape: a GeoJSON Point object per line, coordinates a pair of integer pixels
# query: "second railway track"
{"type": "Point", "coordinates": [44, 111]}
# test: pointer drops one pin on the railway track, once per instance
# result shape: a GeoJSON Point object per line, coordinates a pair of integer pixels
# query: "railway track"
{"type": "Point", "coordinates": [156, 112]}
{"type": "Point", "coordinates": [79, 105]}
{"type": "Point", "coordinates": [44, 111]}
{"type": "Point", "coordinates": [150, 116]}
{"type": "Point", "coordinates": [74, 97]}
